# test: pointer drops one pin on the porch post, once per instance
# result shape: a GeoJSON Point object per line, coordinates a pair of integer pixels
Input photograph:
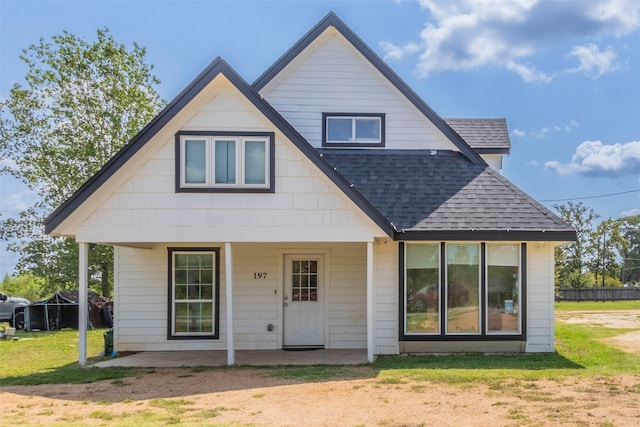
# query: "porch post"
{"type": "Point", "coordinates": [83, 279]}
{"type": "Point", "coordinates": [228, 267]}
{"type": "Point", "coordinates": [370, 304]}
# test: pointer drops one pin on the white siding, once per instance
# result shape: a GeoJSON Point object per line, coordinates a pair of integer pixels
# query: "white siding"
{"type": "Point", "coordinates": [386, 297]}
{"type": "Point", "coordinates": [331, 77]}
{"type": "Point", "coordinates": [306, 206]}
{"type": "Point", "coordinates": [142, 291]}
{"type": "Point", "coordinates": [540, 297]}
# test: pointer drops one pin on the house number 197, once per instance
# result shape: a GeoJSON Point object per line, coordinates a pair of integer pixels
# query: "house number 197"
{"type": "Point", "coordinates": [258, 276]}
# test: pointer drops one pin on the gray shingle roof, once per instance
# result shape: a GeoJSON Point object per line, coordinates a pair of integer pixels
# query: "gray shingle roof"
{"type": "Point", "coordinates": [483, 135]}
{"type": "Point", "coordinates": [423, 192]}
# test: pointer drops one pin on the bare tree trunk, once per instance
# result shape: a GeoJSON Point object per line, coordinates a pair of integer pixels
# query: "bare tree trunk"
{"type": "Point", "coordinates": [105, 279]}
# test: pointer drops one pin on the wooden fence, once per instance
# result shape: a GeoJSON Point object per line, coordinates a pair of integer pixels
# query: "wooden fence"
{"type": "Point", "coordinates": [597, 294]}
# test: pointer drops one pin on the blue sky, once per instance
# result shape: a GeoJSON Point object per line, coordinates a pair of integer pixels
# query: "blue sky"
{"type": "Point", "coordinates": [565, 74]}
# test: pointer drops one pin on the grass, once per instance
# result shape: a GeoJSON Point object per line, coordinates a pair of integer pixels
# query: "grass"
{"type": "Point", "coordinates": [597, 305]}
{"type": "Point", "coordinates": [51, 358]}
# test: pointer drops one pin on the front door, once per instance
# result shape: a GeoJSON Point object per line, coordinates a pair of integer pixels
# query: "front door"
{"type": "Point", "coordinates": [303, 296]}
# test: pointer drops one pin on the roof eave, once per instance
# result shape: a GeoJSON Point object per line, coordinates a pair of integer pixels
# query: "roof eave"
{"type": "Point", "coordinates": [488, 235]}
{"type": "Point", "coordinates": [53, 220]}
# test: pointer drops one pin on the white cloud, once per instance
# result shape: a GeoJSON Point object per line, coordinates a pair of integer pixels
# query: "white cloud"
{"type": "Point", "coordinates": [632, 212]}
{"type": "Point", "coordinates": [15, 203]}
{"type": "Point", "coordinates": [518, 133]}
{"type": "Point", "coordinates": [593, 62]}
{"type": "Point", "coordinates": [593, 158]}
{"type": "Point", "coordinates": [566, 128]}
{"type": "Point", "coordinates": [396, 53]}
{"type": "Point", "coordinates": [469, 34]}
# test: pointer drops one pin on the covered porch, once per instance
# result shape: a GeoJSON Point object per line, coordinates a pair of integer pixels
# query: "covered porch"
{"type": "Point", "coordinates": [252, 307]}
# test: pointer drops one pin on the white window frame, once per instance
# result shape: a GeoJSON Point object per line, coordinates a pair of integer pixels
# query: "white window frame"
{"type": "Point", "coordinates": [354, 140]}
{"type": "Point", "coordinates": [183, 160]}
{"type": "Point", "coordinates": [240, 141]}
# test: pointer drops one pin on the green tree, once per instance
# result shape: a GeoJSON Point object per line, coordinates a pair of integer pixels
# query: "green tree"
{"type": "Point", "coordinates": [81, 102]}
{"type": "Point", "coordinates": [25, 285]}
{"type": "Point", "coordinates": [606, 247]}
{"type": "Point", "coordinates": [571, 259]}
{"type": "Point", "coordinates": [631, 253]}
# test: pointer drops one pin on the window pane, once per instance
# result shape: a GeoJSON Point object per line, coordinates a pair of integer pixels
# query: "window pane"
{"type": "Point", "coordinates": [368, 130]}
{"type": "Point", "coordinates": [422, 288]}
{"type": "Point", "coordinates": [193, 292]}
{"type": "Point", "coordinates": [225, 162]}
{"type": "Point", "coordinates": [255, 162]}
{"type": "Point", "coordinates": [503, 288]}
{"type": "Point", "coordinates": [463, 281]}
{"type": "Point", "coordinates": [195, 161]}
{"type": "Point", "coordinates": [339, 129]}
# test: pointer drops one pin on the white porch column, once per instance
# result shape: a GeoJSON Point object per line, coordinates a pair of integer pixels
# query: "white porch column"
{"type": "Point", "coordinates": [83, 279]}
{"type": "Point", "coordinates": [370, 304]}
{"type": "Point", "coordinates": [228, 266]}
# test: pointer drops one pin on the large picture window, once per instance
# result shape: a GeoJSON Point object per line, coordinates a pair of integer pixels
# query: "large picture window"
{"type": "Point", "coordinates": [225, 162]}
{"type": "Point", "coordinates": [503, 288]}
{"type": "Point", "coordinates": [423, 288]}
{"type": "Point", "coordinates": [193, 293]}
{"type": "Point", "coordinates": [462, 289]}
{"type": "Point", "coordinates": [351, 130]}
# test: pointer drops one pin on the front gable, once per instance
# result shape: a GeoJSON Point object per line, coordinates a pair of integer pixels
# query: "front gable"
{"type": "Point", "coordinates": [141, 202]}
{"type": "Point", "coordinates": [331, 70]}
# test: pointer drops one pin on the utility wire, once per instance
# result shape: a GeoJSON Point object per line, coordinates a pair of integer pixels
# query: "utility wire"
{"type": "Point", "coordinates": [590, 197]}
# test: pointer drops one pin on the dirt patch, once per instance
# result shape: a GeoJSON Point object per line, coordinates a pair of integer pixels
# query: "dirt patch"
{"type": "Point", "coordinates": [608, 319]}
{"type": "Point", "coordinates": [623, 319]}
{"type": "Point", "coordinates": [253, 396]}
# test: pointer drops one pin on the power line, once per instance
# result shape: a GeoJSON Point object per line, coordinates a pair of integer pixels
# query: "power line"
{"type": "Point", "coordinates": [591, 197]}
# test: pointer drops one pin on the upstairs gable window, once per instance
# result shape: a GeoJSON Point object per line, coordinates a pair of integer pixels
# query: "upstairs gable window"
{"type": "Point", "coordinates": [225, 162]}
{"type": "Point", "coordinates": [352, 130]}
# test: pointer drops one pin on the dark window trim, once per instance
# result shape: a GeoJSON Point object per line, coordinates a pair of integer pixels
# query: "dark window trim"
{"type": "Point", "coordinates": [483, 335]}
{"type": "Point", "coordinates": [216, 304]}
{"type": "Point", "coordinates": [272, 163]}
{"type": "Point", "coordinates": [353, 144]}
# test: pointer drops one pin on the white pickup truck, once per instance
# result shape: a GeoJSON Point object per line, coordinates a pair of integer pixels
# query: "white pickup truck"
{"type": "Point", "coordinates": [8, 306]}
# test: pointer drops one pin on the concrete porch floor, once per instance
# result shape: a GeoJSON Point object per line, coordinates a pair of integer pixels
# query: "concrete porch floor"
{"type": "Point", "coordinates": [177, 359]}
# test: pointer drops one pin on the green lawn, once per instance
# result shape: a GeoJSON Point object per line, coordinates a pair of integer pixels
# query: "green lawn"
{"type": "Point", "coordinates": [51, 358]}
{"type": "Point", "coordinates": [597, 305]}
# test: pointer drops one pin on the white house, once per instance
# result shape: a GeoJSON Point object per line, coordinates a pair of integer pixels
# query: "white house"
{"type": "Point", "coordinates": [325, 206]}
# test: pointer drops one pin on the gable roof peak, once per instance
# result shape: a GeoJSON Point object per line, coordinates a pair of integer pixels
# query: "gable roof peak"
{"type": "Point", "coordinates": [332, 20]}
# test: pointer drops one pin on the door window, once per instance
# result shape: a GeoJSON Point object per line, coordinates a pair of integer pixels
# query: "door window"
{"type": "Point", "coordinates": [304, 281]}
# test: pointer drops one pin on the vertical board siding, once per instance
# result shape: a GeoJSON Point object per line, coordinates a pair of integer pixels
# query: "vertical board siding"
{"type": "Point", "coordinates": [333, 77]}
{"type": "Point", "coordinates": [141, 286]}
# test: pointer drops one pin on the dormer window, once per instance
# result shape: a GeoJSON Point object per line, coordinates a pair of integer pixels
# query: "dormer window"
{"type": "Point", "coordinates": [225, 162]}
{"type": "Point", "coordinates": [352, 130]}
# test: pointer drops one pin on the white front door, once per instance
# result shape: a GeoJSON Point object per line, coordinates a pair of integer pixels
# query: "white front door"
{"type": "Point", "coordinates": [303, 297]}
